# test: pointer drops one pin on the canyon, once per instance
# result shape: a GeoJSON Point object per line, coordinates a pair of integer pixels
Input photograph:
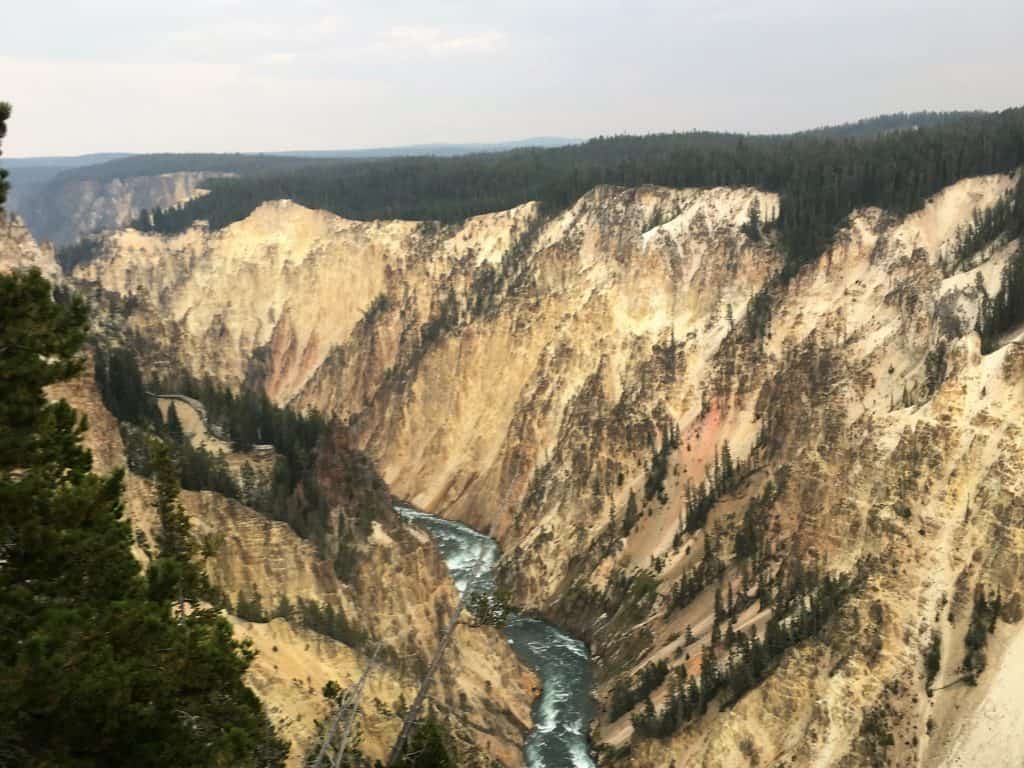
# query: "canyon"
{"type": "Point", "coordinates": [528, 373]}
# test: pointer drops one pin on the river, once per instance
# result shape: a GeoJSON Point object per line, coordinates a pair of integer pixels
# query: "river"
{"type": "Point", "coordinates": [562, 713]}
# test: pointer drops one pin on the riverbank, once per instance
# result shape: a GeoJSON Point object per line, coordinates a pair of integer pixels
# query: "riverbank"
{"type": "Point", "coordinates": [564, 710]}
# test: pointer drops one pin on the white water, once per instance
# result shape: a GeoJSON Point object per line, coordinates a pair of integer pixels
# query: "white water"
{"type": "Point", "coordinates": [563, 711]}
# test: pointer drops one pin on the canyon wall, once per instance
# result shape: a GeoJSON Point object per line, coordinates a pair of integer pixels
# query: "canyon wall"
{"type": "Point", "coordinates": [527, 373]}
{"type": "Point", "coordinates": [395, 598]}
{"type": "Point", "coordinates": [65, 210]}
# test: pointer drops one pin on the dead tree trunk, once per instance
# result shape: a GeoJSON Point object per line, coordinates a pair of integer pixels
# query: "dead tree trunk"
{"type": "Point", "coordinates": [349, 700]}
{"type": "Point", "coordinates": [329, 732]}
{"type": "Point", "coordinates": [354, 713]}
{"type": "Point", "coordinates": [410, 716]}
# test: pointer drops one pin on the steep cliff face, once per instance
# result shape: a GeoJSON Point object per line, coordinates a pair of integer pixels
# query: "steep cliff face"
{"type": "Point", "coordinates": [328, 271]}
{"type": "Point", "coordinates": [399, 597]}
{"type": "Point", "coordinates": [62, 213]}
{"type": "Point", "coordinates": [527, 374]}
{"type": "Point", "coordinates": [19, 250]}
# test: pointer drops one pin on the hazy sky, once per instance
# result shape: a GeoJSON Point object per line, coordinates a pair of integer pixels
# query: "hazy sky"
{"type": "Point", "coordinates": [216, 75]}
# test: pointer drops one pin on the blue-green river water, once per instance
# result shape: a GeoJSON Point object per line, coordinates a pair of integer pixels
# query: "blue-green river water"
{"type": "Point", "coordinates": [562, 713]}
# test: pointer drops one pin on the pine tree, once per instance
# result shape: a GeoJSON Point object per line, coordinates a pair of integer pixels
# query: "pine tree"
{"type": "Point", "coordinates": [248, 487]}
{"type": "Point", "coordinates": [174, 428]}
{"type": "Point", "coordinates": [429, 746]}
{"type": "Point", "coordinates": [284, 608]}
{"type": "Point", "coordinates": [708, 678]}
{"type": "Point", "coordinates": [5, 113]}
{"type": "Point", "coordinates": [727, 467]}
{"type": "Point", "coordinates": [83, 642]}
{"type": "Point", "coordinates": [752, 227]}
{"type": "Point", "coordinates": [631, 515]}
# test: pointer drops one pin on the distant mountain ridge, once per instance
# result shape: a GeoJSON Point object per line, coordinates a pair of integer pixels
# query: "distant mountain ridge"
{"type": "Point", "coordinates": [63, 199]}
{"type": "Point", "coordinates": [441, 149]}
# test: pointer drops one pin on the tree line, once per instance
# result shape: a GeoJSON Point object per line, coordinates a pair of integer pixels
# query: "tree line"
{"type": "Point", "coordinates": [1004, 311]}
{"type": "Point", "coordinates": [821, 177]}
{"type": "Point", "coordinates": [5, 114]}
{"type": "Point", "coordinates": [246, 419]}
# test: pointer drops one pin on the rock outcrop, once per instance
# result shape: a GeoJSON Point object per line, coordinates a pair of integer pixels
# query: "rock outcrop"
{"type": "Point", "coordinates": [19, 250]}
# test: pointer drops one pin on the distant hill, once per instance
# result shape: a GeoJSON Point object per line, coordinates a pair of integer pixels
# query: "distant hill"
{"type": "Point", "coordinates": [871, 127]}
{"type": "Point", "coordinates": [451, 181]}
{"type": "Point", "coordinates": [62, 161]}
{"type": "Point", "coordinates": [433, 150]}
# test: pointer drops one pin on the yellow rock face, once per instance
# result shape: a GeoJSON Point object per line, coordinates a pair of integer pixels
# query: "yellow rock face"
{"type": "Point", "coordinates": [19, 250]}
{"type": "Point", "coordinates": [403, 595]}
{"type": "Point", "coordinates": [517, 372]}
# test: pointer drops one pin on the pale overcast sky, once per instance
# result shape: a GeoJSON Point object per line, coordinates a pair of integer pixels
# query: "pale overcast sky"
{"type": "Point", "coordinates": [248, 75]}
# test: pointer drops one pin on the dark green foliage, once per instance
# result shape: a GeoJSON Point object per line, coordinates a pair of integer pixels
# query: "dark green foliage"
{"type": "Point", "coordinates": [284, 608]}
{"type": "Point", "coordinates": [380, 304]}
{"type": "Point", "coordinates": [124, 394]}
{"type": "Point", "coordinates": [198, 468]}
{"type": "Point", "coordinates": [983, 623]}
{"type": "Point", "coordinates": [876, 736]}
{"type": "Point", "coordinates": [121, 387]}
{"type": "Point", "coordinates": [5, 113]}
{"type": "Point", "coordinates": [175, 537]}
{"type": "Point", "coordinates": [1005, 311]}
{"type": "Point", "coordinates": [430, 746]}
{"type": "Point", "coordinates": [168, 162]}
{"type": "Point", "coordinates": [986, 227]}
{"type": "Point", "coordinates": [752, 227]}
{"type": "Point", "coordinates": [758, 321]}
{"type": "Point", "coordinates": [490, 608]}
{"type": "Point", "coordinates": [443, 318]}
{"type": "Point", "coordinates": [750, 534]}
{"type": "Point", "coordinates": [722, 478]}
{"type": "Point", "coordinates": [932, 660]}
{"type": "Point", "coordinates": [80, 252]}
{"type": "Point", "coordinates": [249, 419]}
{"type": "Point", "coordinates": [203, 470]}
{"type": "Point", "coordinates": [39, 343]}
{"type": "Point", "coordinates": [935, 367]}
{"type": "Point", "coordinates": [626, 696]}
{"type": "Point", "coordinates": [694, 581]}
{"type": "Point", "coordinates": [821, 177]}
{"type": "Point", "coordinates": [631, 515]}
{"type": "Point", "coordinates": [249, 606]}
{"type": "Point", "coordinates": [871, 127]}
{"type": "Point", "coordinates": [327, 620]}
{"type": "Point", "coordinates": [85, 641]}
{"type": "Point", "coordinates": [750, 537]}
{"type": "Point", "coordinates": [654, 484]}
{"type": "Point", "coordinates": [803, 602]}
{"type": "Point", "coordinates": [174, 428]}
